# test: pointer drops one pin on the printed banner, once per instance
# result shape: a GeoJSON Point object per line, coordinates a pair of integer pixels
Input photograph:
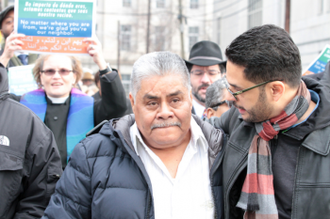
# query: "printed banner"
{"type": "Point", "coordinates": [55, 26]}
{"type": "Point", "coordinates": [318, 65]}
{"type": "Point", "coordinates": [21, 79]}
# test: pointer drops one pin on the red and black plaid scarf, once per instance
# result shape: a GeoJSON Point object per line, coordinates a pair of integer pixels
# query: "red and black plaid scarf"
{"type": "Point", "coordinates": [257, 196]}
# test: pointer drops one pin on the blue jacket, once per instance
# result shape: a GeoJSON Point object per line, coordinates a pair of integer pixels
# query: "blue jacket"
{"type": "Point", "coordinates": [106, 179]}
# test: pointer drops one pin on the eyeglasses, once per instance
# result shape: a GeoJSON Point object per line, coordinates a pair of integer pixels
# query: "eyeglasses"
{"type": "Point", "coordinates": [247, 89]}
{"type": "Point", "coordinates": [229, 104]}
{"type": "Point", "coordinates": [51, 72]}
{"type": "Point", "coordinates": [210, 73]}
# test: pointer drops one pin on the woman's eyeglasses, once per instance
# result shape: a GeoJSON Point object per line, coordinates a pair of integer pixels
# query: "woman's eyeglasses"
{"type": "Point", "coordinates": [51, 72]}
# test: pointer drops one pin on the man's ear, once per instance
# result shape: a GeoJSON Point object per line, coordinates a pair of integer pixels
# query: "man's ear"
{"type": "Point", "coordinates": [131, 98]}
{"type": "Point", "coordinates": [210, 112]}
{"type": "Point", "coordinates": [277, 90]}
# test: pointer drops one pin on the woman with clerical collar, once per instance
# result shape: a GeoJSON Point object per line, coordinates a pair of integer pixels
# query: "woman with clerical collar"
{"type": "Point", "coordinates": [65, 110]}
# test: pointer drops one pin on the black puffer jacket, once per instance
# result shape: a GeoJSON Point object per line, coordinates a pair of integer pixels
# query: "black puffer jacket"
{"type": "Point", "coordinates": [106, 179]}
{"type": "Point", "coordinates": [30, 164]}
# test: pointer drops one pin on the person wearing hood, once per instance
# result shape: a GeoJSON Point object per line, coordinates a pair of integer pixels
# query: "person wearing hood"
{"type": "Point", "coordinates": [30, 164]}
{"type": "Point", "coordinates": [276, 162]}
{"type": "Point", "coordinates": [68, 112]}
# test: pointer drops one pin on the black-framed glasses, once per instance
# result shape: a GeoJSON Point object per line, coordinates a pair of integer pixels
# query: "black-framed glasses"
{"type": "Point", "coordinates": [229, 104]}
{"type": "Point", "coordinates": [51, 72]}
{"type": "Point", "coordinates": [234, 94]}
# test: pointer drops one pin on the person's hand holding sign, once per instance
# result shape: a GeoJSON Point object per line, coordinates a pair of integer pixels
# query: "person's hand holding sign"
{"type": "Point", "coordinates": [13, 43]}
{"type": "Point", "coordinates": [95, 50]}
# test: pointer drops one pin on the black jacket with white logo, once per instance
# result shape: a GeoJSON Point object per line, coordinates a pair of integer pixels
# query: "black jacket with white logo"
{"type": "Point", "coordinates": [30, 164]}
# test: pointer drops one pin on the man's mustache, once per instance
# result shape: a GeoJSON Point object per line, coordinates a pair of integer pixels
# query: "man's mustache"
{"type": "Point", "coordinates": [203, 86]}
{"type": "Point", "coordinates": [165, 124]}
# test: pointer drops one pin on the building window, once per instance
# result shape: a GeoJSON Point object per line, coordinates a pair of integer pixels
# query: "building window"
{"type": "Point", "coordinates": [127, 3]}
{"type": "Point", "coordinates": [323, 6]}
{"type": "Point", "coordinates": [254, 13]}
{"type": "Point", "coordinates": [218, 30]}
{"type": "Point", "coordinates": [194, 4]}
{"type": "Point", "coordinates": [125, 77]}
{"type": "Point", "coordinates": [160, 38]}
{"type": "Point", "coordinates": [193, 36]}
{"type": "Point", "coordinates": [126, 85]}
{"type": "Point", "coordinates": [125, 39]}
{"type": "Point", "coordinates": [160, 3]}
{"type": "Point", "coordinates": [126, 81]}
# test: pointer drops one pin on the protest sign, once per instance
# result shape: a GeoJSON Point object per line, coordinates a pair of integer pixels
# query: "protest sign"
{"type": "Point", "coordinates": [21, 79]}
{"type": "Point", "coordinates": [55, 26]}
{"type": "Point", "coordinates": [318, 65]}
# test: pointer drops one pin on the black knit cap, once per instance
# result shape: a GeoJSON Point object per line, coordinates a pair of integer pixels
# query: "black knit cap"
{"type": "Point", "coordinates": [4, 13]}
{"type": "Point", "coordinates": [205, 53]}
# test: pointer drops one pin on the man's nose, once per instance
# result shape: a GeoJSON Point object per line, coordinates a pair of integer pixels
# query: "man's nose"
{"type": "Point", "coordinates": [205, 79]}
{"type": "Point", "coordinates": [165, 111]}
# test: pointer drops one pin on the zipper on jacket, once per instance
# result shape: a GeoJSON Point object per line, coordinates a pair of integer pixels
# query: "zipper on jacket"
{"type": "Point", "coordinates": [294, 187]}
{"type": "Point", "coordinates": [148, 205]}
{"type": "Point", "coordinates": [238, 170]}
{"type": "Point", "coordinates": [215, 166]}
{"type": "Point", "coordinates": [131, 153]}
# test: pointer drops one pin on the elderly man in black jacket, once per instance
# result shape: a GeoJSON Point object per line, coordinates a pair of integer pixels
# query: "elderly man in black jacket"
{"type": "Point", "coordinates": [158, 163]}
{"type": "Point", "coordinates": [30, 164]}
{"type": "Point", "coordinates": [276, 163]}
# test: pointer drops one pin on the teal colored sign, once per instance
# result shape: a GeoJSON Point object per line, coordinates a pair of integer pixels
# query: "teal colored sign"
{"type": "Point", "coordinates": [55, 18]}
{"type": "Point", "coordinates": [55, 10]}
{"type": "Point", "coordinates": [318, 65]}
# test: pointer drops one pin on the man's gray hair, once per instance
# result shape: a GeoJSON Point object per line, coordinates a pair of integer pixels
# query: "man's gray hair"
{"type": "Point", "coordinates": [215, 93]}
{"type": "Point", "coordinates": [158, 64]}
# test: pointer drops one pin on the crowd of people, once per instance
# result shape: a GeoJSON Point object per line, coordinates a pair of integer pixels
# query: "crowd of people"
{"type": "Point", "coordinates": [197, 138]}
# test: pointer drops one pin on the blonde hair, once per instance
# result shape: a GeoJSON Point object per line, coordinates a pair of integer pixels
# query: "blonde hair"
{"type": "Point", "coordinates": [76, 67]}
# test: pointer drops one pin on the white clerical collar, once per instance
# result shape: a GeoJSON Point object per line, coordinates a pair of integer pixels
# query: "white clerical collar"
{"type": "Point", "coordinates": [59, 100]}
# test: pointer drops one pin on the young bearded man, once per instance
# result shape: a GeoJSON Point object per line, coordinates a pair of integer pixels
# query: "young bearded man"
{"type": "Point", "coordinates": [276, 162]}
{"type": "Point", "coordinates": [205, 65]}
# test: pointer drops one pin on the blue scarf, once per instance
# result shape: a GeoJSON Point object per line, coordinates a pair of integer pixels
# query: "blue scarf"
{"type": "Point", "coordinates": [80, 118]}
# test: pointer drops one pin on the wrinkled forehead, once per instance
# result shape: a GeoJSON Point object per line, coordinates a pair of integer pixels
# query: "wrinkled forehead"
{"type": "Point", "coordinates": [162, 85]}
